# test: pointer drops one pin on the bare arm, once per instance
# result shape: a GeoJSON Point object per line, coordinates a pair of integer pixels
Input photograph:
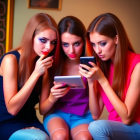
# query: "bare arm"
{"type": "Point", "coordinates": [127, 108]}
{"type": "Point", "coordinates": [95, 101]}
{"type": "Point", "coordinates": [45, 104]}
{"type": "Point", "coordinates": [16, 99]}
{"type": "Point", "coordinates": [124, 109]}
{"type": "Point", "coordinates": [50, 96]}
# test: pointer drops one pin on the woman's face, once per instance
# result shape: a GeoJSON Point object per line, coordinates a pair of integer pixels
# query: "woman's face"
{"type": "Point", "coordinates": [44, 42]}
{"type": "Point", "coordinates": [72, 45]}
{"type": "Point", "coordinates": [104, 46]}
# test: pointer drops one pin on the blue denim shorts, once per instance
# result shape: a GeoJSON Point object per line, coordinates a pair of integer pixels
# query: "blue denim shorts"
{"type": "Point", "coordinates": [72, 120]}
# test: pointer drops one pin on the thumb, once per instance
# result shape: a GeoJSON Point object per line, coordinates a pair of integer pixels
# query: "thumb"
{"type": "Point", "coordinates": [54, 83]}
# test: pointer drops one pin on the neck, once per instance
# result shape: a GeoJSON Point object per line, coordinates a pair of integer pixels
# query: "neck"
{"type": "Point", "coordinates": [72, 62]}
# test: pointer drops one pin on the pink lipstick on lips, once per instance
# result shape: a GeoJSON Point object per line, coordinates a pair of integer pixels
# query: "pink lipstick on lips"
{"type": "Point", "coordinates": [101, 56]}
{"type": "Point", "coordinates": [45, 52]}
{"type": "Point", "coordinates": [72, 55]}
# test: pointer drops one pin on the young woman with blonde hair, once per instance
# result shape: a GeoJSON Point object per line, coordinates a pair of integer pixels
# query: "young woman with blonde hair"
{"type": "Point", "coordinates": [22, 78]}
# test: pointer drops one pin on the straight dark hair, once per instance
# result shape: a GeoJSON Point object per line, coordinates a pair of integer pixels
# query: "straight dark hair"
{"type": "Point", "coordinates": [73, 26]}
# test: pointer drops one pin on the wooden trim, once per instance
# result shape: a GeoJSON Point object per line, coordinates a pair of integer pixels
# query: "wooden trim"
{"type": "Point", "coordinates": [9, 25]}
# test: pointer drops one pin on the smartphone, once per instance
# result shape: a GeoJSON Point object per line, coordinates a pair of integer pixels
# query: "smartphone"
{"type": "Point", "coordinates": [85, 60]}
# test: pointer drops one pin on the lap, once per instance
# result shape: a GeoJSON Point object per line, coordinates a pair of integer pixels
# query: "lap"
{"type": "Point", "coordinates": [13, 126]}
{"type": "Point", "coordinates": [114, 130]}
{"type": "Point", "coordinates": [62, 121]}
{"type": "Point", "coordinates": [28, 134]}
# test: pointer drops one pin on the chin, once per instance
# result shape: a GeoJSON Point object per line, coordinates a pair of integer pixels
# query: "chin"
{"type": "Point", "coordinates": [104, 59]}
{"type": "Point", "coordinates": [74, 59]}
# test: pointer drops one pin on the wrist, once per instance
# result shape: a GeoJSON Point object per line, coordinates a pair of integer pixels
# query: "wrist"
{"type": "Point", "coordinates": [103, 81]}
{"type": "Point", "coordinates": [35, 74]}
{"type": "Point", "coordinates": [90, 82]}
{"type": "Point", "coordinates": [51, 100]}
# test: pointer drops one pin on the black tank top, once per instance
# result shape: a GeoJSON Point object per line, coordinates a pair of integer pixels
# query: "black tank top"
{"type": "Point", "coordinates": [27, 112]}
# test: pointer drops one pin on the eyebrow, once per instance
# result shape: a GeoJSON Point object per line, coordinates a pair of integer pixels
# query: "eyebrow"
{"type": "Point", "coordinates": [73, 43]}
{"type": "Point", "coordinates": [47, 38]}
{"type": "Point", "coordinates": [54, 40]}
{"type": "Point", "coordinates": [99, 41]}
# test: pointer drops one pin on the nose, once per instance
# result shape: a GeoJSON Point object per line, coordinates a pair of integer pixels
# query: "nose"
{"type": "Point", "coordinates": [48, 46]}
{"type": "Point", "coordinates": [72, 49]}
{"type": "Point", "coordinates": [98, 50]}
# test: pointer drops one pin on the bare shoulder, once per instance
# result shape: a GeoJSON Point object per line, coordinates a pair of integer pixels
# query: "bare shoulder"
{"type": "Point", "coordinates": [9, 58]}
{"type": "Point", "coordinates": [136, 70]}
{"type": "Point", "coordinates": [9, 62]}
{"type": "Point", "coordinates": [135, 76]}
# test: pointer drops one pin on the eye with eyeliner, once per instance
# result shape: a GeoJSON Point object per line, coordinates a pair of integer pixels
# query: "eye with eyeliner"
{"type": "Point", "coordinates": [103, 43]}
{"type": "Point", "coordinates": [43, 40]}
{"type": "Point", "coordinates": [93, 44]}
{"type": "Point", "coordinates": [77, 43]}
{"type": "Point", "coordinates": [54, 42]}
{"type": "Point", "coordinates": [65, 44]}
{"type": "Point", "coordinates": [74, 44]}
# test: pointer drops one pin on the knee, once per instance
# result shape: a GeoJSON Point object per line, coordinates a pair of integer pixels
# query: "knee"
{"type": "Point", "coordinates": [63, 135]}
{"type": "Point", "coordinates": [98, 128]}
{"type": "Point", "coordinates": [33, 134]}
{"type": "Point", "coordinates": [94, 128]}
{"type": "Point", "coordinates": [39, 135]}
{"type": "Point", "coordinates": [85, 136]}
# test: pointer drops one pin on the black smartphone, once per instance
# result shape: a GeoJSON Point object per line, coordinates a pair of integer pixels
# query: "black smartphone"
{"type": "Point", "coordinates": [85, 60]}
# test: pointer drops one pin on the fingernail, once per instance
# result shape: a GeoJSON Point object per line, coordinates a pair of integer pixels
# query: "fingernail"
{"type": "Point", "coordinates": [89, 62]}
{"type": "Point", "coordinates": [63, 84]}
{"type": "Point", "coordinates": [53, 56]}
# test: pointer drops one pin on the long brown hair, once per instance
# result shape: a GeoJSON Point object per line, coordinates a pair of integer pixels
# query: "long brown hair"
{"type": "Point", "coordinates": [109, 25]}
{"type": "Point", "coordinates": [35, 25]}
{"type": "Point", "coordinates": [74, 26]}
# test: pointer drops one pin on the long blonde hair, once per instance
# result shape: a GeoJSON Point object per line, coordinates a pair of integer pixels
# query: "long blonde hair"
{"type": "Point", "coordinates": [109, 25]}
{"type": "Point", "coordinates": [35, 25]}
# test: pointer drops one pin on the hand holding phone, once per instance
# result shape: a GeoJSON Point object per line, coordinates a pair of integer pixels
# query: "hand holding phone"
{"type": "Point", "coordinates": [86, 60]}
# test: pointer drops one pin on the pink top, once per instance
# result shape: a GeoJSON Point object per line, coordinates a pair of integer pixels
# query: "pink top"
{"type": "Point", "coordinates": [132, 60]}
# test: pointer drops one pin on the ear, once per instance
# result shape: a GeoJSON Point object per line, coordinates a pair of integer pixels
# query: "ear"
{"type": "Point", "coordinates": [116, 39]}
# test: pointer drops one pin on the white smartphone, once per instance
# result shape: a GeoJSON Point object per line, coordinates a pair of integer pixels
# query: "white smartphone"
{"type": "Point", "coordinates": [75, 81]}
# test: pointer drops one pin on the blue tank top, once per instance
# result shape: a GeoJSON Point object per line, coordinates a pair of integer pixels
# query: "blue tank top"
{"type": "Point", "coordinates": [27, 112]}
{"type": "Point", "coordinates": [76, 101]}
